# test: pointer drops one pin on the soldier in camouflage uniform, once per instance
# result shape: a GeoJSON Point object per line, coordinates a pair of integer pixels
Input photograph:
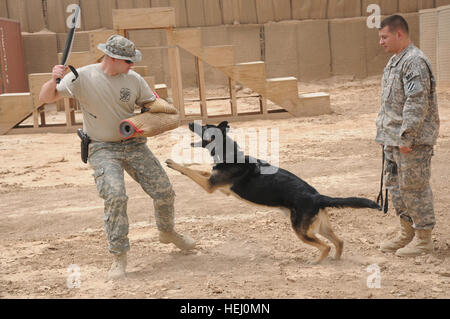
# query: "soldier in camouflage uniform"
{"type": "Point", "coordinates": [108, 92]}
{"type": "Point", "coordinates": [407, 126]}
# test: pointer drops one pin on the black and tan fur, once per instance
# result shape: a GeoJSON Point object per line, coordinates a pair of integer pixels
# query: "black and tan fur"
{"type": "Point", "coordinates": [281, 189]}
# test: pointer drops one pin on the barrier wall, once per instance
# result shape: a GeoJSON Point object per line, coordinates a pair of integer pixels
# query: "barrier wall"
{"type": "Point", "coordinates": [435, 40]}
{"type": "Point", "coordinates": [312, 39]}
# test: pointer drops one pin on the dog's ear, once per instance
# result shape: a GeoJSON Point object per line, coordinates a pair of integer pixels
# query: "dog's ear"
{"type": "Point", "coordinates": [223, 125]}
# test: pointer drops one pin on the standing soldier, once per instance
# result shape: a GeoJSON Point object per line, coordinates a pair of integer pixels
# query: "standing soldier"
{"type": "Point", "coordinates": [108, 92]}
{"type": "Point", "coordinates": [407, 126]}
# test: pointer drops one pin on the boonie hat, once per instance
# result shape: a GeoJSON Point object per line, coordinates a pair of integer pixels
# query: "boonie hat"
{"type": "Point", "coordinates": [120, 48]}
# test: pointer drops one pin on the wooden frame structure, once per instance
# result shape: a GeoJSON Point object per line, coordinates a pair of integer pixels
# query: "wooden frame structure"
{"type": "Point", "coordinates": [282, 91]}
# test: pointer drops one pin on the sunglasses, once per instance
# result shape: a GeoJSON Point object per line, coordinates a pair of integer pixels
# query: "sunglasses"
{"type": "Point", "coordinates": [129, 62]}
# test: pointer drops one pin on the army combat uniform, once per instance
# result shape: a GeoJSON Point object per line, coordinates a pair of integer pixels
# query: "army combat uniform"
{"type": "Point", "coordinates": [105, 101]}
{"type": "Point", "coordinates": [409, 117]}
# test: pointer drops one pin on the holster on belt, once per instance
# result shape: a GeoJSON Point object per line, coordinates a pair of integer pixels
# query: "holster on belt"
{"type": "Point", "coordinates": [85, 140]}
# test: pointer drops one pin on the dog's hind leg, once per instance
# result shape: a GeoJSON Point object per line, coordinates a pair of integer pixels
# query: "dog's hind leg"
{"type": "Point", "coordinates": [311, 239]}
{"type": "Point", "coordinates": [326, 231]}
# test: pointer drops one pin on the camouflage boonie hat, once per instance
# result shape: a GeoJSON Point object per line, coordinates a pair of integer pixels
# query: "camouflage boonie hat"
{"type": "Point", "coordinates": [120, 48]}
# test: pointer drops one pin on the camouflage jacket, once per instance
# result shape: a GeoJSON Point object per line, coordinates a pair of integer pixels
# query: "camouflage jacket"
{"type": "Point", "coordinates": [409, 112]}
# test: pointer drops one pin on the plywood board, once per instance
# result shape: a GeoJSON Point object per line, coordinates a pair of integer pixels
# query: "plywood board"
{"type": "Point", "coordinates": [281, 89]}
{"type": "Point", "coordinates": [247, 39]}
{"type": "Point", "coordinates": [14, 107]}
{"type": "Point", "coordinates": [35, 82]}
{"type": "Point", "coordinates": [218, 55]}
{"type": "Point", "coordinates": [250, 74]}
{"type": "Point", "coordinates": [143, 18]}
{"type": "Point", "coordinates": [97, 37]}
{"type": "Point", "coordinates": [313, 104]}
{"type": "Point", "coordinates": [189, 39]}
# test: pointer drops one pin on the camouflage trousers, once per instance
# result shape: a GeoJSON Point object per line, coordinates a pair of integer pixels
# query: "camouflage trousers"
{"type": "Point", "coordinates": [407, 177]}
{"type": "Point", "coordinates": [109, 160]}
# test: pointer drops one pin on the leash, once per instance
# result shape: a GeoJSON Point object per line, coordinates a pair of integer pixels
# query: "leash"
{"type": "Point", "coordinates": [380, 200]}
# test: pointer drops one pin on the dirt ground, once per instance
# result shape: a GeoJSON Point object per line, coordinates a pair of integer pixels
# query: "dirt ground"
{"type": "Point", "coordinates": [51, 218]}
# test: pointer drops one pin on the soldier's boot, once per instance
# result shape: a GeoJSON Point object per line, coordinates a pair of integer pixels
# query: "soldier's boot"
{"type": "Point", "coordinates": [404, 238]}
{"type": "Point", "coordinates": [422, 244]}
{"type": "Point", "coordinates": [118, 267]}
{"type": "Point", "coordinates": [183, 242]}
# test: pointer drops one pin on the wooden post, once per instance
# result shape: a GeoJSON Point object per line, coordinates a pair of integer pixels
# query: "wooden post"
{"type": "Point", "coordinates": [201, 87]}
{"type": "Point", "coordinates": [233, 100]}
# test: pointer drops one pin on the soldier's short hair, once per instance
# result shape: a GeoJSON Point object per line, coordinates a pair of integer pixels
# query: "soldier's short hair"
{"type": "Point", "coordinates": [395, 22]}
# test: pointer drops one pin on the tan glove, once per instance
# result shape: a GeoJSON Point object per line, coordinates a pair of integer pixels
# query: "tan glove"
{"type": "Point", "coordinates": [161, 106]}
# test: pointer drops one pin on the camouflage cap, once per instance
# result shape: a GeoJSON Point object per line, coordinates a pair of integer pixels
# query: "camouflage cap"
{"type": "Point", "coordinates": [120, 48]}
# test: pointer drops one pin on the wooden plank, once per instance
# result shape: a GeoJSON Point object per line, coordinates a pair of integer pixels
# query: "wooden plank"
{"type": "Point", "coordinates": [279, 89]}
{"type": "Point", "coordinates": [233, 100]}
{"type": "Point", "coordinates": [161, 90]}
{"type": "Point", "coordinates": [189, 39]}
{"type": "Point", "coordinates": [195, 13]}
{"type": "Point", "coordinates": [54, 128]}
{"type": "Point", "coordinates": [250, 74]}
{"type": "Point", "coordinates": [201, 86]}
{"type": "Point", "coordinates": [35, 82]}
{"type": "Point", "coordinates": [143, 18]}
{"type": "Point", "coordinates": [239, 118]}
{"type": "Point", "coordinates": [176, 79]}
{"type": "Point", "coordinates": [264, 11]}
{"type": "Point", "coordinates": [313, 104]}
{"type": "Point", "coordinates": [142, 70]}
{"type": "Point", "coordinates": [212, 12]}
{"type": "Point", "coordinates": [150, 81]}
{"type": "Point", "coordinates": [221, 55]}
{"type": "Point", "coordinates": [14, 108]}
{"type": "Point", "coordinates": [97, 37]}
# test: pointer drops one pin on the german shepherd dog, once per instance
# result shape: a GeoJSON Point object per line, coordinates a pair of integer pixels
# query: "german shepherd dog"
{"type": "Point", "coordinates": [279, 188]}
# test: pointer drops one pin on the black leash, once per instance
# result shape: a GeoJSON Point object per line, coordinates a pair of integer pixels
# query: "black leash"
{"type": "Point", "coordinates": [380, 200]}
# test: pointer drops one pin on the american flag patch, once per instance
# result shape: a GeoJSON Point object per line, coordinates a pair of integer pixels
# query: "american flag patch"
{"type": "Point", "coordinates": [411, 86]}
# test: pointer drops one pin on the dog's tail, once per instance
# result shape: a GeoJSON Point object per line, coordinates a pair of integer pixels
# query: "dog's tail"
{"type": "Point", "coordinates": [354, 202]}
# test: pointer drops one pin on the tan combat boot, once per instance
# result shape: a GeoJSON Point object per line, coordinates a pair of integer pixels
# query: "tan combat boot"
{"type": "Point", "coordinates": [422, 244]}
{"type": "Point", "coordinates": [118, 267]}
{"type": "Point", "coordinates": [405, 237]}
{"type": "Point", "coordinates": [181, 241]}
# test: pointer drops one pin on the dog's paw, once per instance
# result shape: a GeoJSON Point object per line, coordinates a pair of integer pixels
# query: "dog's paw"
{"type": "Point", "coordinates": [173, 165]}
